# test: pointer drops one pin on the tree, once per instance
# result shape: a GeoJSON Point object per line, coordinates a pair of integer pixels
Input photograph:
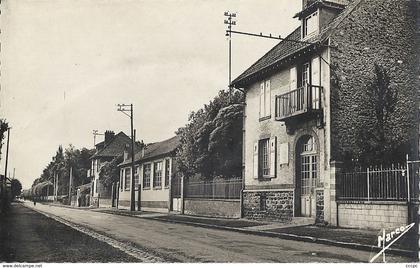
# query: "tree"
{"type": "Point", "coordinates": [16, 187]}
{"type": "Point", "coordinates": [382, 136]}
{"type": "Point", "coordinates": [109, 172]}
{"type": "Point", "coordinates": [211, 142]}
{"type": "Point", "coordinates": [78, 160]}
{"type": "Point", "coordinates": [3, 128]}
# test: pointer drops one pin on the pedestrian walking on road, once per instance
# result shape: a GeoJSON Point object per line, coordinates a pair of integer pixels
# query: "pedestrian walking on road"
{"type": "Point", "coordinates": [34, 202]}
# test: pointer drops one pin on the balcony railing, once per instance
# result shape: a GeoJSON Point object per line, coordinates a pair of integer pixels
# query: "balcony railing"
{"type": "Point", "coordinates": [303, 100]}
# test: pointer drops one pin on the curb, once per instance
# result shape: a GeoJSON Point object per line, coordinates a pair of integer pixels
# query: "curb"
{"type": "Point", "coordinates": [286, 236]}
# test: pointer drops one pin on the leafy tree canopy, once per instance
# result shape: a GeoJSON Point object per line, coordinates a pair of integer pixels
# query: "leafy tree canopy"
{"type": "Point", "coordinates": [211, 142]}
{"type": "Point", "coordinates": [64, 159]}
{"type": "Point", "coordinates": [16, 187]}
{"type": "Point", "coordinates": [109, 172]}
{"type": "Point", "coordinates": [383, 135]}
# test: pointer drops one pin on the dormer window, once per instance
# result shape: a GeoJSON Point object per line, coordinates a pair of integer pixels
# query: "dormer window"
{"type": "Point", "coordinates": [310, 25]}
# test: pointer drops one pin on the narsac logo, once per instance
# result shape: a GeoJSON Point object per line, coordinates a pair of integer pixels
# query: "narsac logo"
{"type": "Point", "coordinates": [387, 239]}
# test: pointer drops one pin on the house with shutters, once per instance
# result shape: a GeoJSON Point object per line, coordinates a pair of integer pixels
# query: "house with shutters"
{"type": "Point", "coordinates": [301, 103]}
{"type": "Point", "coordinates": [155, 172]}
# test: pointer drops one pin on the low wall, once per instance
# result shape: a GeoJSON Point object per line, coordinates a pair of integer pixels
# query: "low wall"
{"type": "Point", "coordinates": [275, 205]}
{"type": "Point", "coordinates": [105, 202]}
{"type": "Point", "coordinates": [157, 206]}
{"type": "Point", "coordinates": [372, 215]}
{"type": "Point", "coordinates": [209, 207]}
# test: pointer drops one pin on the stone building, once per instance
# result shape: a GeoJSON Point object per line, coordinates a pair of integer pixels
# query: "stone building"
{"type": "Point", "coordinates": [301, 102]}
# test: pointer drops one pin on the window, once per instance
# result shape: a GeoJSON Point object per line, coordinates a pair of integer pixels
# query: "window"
{"type": "Point", "coordinates": [265, 99]}
{"type": "Point", "coordinates": [157, 174]}
{"type": "Point", "coordinates": [97, 165]}
{"type": "Point", "coordinates": [263, 153]}
{"type": "Point", "coordinates": [136, 177]}
{"type": "Point", "coordinates": [127, 180]}
{"type": "Point", "coordinates": [310, 25]}
{"type": "Point", "coordinates": [146, 175]}
{"type": "Point", "coordinates": [305, 74]}
{"type": "Point", "coordinates": [167, 171]}
{"type": "Point", "coordinates": [309, 172]}
{"type": "Point", "coordinates": [121, 178]}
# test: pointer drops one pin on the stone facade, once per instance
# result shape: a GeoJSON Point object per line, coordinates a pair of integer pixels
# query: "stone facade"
{"type": "Point", "coordinates": [364, 33]}
{"type": "Point", "coordinates": [271, 205]}
{"type": "Point", "coordinates": [213, 208]}
{"type": "Point", "coordinates": [319, 206]}
{"type": "Point", "coordinates": [372, 216]}
{"type": "Point", "coordinates": [381, 32]}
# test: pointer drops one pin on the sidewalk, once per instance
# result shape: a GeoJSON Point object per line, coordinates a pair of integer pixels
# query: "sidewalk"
{"type": "Point", "coordinates": [342, 237]}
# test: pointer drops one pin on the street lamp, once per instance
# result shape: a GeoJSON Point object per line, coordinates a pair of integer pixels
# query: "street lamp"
{"type": "Point", "coordinates": [125, 108]}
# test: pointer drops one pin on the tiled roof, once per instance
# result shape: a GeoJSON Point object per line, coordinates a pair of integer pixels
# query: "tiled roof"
{"type": "Point", "coordinates": [286, 49]}
{"type": "Point", "coordinates": [156, 149]}
{"type": "Point", "coordinates": [276, 54]}
{"type": "Point", "coordinates": [115, 147]}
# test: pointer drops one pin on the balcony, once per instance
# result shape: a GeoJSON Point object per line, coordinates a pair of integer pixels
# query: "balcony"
{"type": "Point", "coordinates": [299, 103]}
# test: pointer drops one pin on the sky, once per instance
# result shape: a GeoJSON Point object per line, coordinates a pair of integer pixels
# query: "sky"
{"type": "Point", "coordinates": [65, 64]}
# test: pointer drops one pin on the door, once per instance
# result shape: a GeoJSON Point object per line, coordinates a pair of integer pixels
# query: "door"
{"type": "Point", "coordinates": [308, 175]}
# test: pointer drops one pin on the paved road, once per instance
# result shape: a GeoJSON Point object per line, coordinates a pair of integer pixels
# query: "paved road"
{"type": "Point", "coordinates": [184, 243]}
{"type": "Point", "coordinates": [27, 236]}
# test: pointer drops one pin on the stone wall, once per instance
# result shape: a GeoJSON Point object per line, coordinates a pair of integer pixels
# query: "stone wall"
{"type": "Point", "coordinates": [268, 205]}
{"type": "Point", "coordinates": [215, 208]}
{"type": "Point", "coordinates": [376, 31]}
{"type": "Point", "coordinates": [319, 206]}
{"type": "Point", "coordinates": [372, 216]}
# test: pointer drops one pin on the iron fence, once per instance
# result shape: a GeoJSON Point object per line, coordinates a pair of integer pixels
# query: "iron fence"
{"type": "Point", "coordinates": [391, 183]}
{"type": "Point", "coordinates": [214, 189]}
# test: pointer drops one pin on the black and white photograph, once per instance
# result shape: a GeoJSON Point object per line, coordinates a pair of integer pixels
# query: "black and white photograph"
{"type": "Point", "coordinates": [222, 132]}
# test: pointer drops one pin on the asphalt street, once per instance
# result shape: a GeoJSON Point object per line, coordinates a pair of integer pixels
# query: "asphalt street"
{"type": "Point", "coordinates": [173, 242]}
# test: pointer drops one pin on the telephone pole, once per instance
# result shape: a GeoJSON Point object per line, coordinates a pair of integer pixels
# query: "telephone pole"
{"type": "Point", "coordinates": [5, 167]}
{"type": "Point", "coordinates": [96, 133]}
{"type": "Point", "coordinates": [230, 22]}
{"type": "Point", "coordinates": [124, 108]}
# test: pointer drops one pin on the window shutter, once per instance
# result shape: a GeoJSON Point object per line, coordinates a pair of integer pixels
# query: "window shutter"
{"type": "Point", "coordinates": [273, 154]}
{"type": "Point", "coordinates": [293, 78]}
{"type": "Point", "coordinates": [262, 103]}
{"type": "Point", "coordinates": [316, 82]}
{"type": "Point", "coordinates": [255, 160]}
{"type": "Point", "coordinates": [315, 72]}
{"type": "Point", "coordinates": [267, 98]}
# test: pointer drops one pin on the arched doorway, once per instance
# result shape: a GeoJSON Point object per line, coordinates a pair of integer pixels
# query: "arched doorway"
{"type": "Point", "coordinates": [306, 175]}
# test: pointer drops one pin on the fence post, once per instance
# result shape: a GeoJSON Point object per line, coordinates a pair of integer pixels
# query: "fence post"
{"type": "Point", "coordinates": [368, 184]}
{"type": "Point", "coordinates": [182, 194]}
{"type": "Point", "coordinates": [408, 179]}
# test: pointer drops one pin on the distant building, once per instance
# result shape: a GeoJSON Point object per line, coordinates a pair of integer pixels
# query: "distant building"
{"type": "Point", "coordinates": [112, 147]}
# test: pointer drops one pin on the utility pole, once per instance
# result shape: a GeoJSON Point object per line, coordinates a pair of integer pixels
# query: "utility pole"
{"type": "Point", "coordinates": [70, 183]}
{"type": "Point", "coordinates": [230, 22]}
{"type": "Point", "coordinates": [124, 108]}
{"type": "Point", "coordinates": [5, 167]}
{"type": "Point", "coordinates": [96, 133]}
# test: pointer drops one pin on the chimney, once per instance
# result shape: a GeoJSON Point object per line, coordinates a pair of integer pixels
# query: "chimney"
{"type": "Point", "coordinates": [142, 147]}
{"type": "Point", "coordinates": [109, 136]}
{"type": "Point", "coordinates": [127, 153]}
